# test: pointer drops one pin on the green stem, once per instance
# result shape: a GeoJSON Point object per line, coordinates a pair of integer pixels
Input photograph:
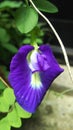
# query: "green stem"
{"type": "Point", "coordinates": [33, 38]}
{"type": "Point", "coordinates": [26, 2]}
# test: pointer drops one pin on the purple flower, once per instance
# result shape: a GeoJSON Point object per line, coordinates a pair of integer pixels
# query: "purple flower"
{"type": "Point", "coordinates": [31, 73]}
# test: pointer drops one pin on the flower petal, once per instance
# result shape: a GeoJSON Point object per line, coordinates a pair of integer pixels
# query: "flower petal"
{"type": "Point", "coordinates": [20, 73]}
{"type": "Point", "coordinates": [54, 69]}
{"type": "Point", "coordinates": [31, 99]}
{"type": "Point", "coordinates": [33, 62]}
{"type": "Point", "coordinates": [38, 62]}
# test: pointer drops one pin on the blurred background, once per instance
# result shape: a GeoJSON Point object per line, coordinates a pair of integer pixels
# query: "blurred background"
{"type": "Point", "coordinates": [63, 23]}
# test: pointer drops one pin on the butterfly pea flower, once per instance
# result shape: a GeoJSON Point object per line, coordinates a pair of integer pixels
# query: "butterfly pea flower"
{"type": "Point", "coordinates": [31, 73]}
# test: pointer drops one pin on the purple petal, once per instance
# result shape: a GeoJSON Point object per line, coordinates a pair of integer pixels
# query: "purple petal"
{"type": "Point", "coordinates": [54, 69]}
{"type": "Point", "coordinates": [20, 73]}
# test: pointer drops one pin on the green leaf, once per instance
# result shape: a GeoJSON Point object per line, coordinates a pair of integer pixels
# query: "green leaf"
{"type": "Point", "coordinates": [6, 100]}
{"type": "Point", "coordinates": [4, 124]}
{"type": "Point", "coordinates": [8, 94]}
{"type": "Point", "coordinates": [10, 4]}
{"type": "Point", "coordinates": [26, 41]}
{"type": "Point", "coordinates": [39, 40]}
{"type": "Point", "coordinates": [10, 47]}
{"type": "Point", "coordinates": [26, 19]}
{"type": "Point", "coordinates": [21, 112]}
{"type": "Point", "coordinates": [46, 6]}
{"type": "Point", "coordinates": [4, 36]}
{"type": "Point", "coordinates": [3, 105]}
{"type": "Point", "coordinates": [14, 119]}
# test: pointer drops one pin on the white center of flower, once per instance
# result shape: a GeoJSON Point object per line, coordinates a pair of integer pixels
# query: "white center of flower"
{"type": "Point", "coordinates": [35, 81]}
{"type": "Point", "coordinates": [33, 61]}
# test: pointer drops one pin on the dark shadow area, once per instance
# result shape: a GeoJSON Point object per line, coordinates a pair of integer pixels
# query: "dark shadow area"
{"type": "Point", "coordinates": [63, 23]}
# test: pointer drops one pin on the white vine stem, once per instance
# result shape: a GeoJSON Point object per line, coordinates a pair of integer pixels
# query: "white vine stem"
{"type": "Point", "coordinates": [58, 38]}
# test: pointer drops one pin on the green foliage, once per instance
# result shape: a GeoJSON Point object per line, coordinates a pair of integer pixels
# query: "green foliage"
{"type": "Point", "coordinates": [4, 36]}
{"type": "Point", "coordinates": [21, 112]}
{"type": "Point", "coordinates": [10, 4]}
{"type": "Point", "coordinates": [5, 72]}
{"type": "Point", "coordinates": [45, 6]}
{"type": "Point", "coordinates": [4, 107]}
{"type": "Point", "coordinates": [4, 39]}
{"type": "Point", "coordinates": [6, 100]}
{"type": "Point", "coordinates": [10, 47]}
{"type": "Point", "coordinates": [9, 97]}
{"type": "Point", "coordinates": [35, 36]}
{"type": "Point", "coordinates": [13, 111]}
{"type": "Point", "coordinates": [26, 19]}
{"type": "Point", "coordinates": [13, 118]}
{"type": "Point", "coordinates": [4, 124]}
{"type": "Point", "coordinates": [2, 85]}
{"type": "Point", "coordinates": [17, 20]}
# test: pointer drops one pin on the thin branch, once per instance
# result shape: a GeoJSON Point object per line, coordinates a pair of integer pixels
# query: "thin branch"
{"type": "Point", "coordinates": [58, 38]}
{"type": "Point", "coordinates": [4, 81]}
